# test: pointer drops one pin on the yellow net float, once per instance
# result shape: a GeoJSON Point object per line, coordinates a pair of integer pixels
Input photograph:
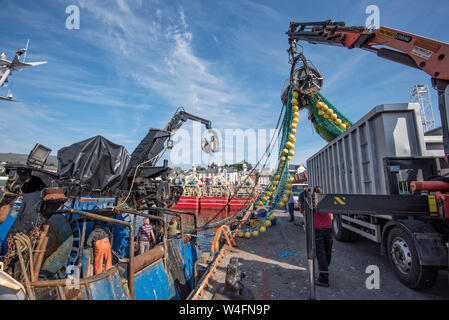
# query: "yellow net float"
{"type": "Point", "coordinates": [271, 217]}
{"type": "Point", "coordinates": [267, 223]}
{"type": "Point", "coordinates": [326, 116]}
{"type": "Point", "coordinates": [320, 112]}
{"type": "Point", "coordinates": [255, 233]}
{"type": "Point", "coordinates": [289, 158]}
{"type": "Point", "coordinates": [293, 131]}
{"type": "Point", "coordinates": [260, 203]}
{"type": "Point", "coordinates": [291, 138]}
{"type": "Point", "coordinates": [264, 199]}
{"type": "Point", "coordinates": [295, 94]}
{"type": "Point", "coordinates": [294, 101]}
{"type": "Point", "coordinates": [273, 189]}
{"type": "Point", "coordinates": [324, 108]}
{"type": "Point", "coordinates": [285, 151]}
{"type": "Point", "coordinates": [275, 183]}
{"type": "Point", "coordinates": [268, 193]}
{"type": "Point", "coordinates": [338, 122]}
{"type": "Point", "coordinates": [295, 108]}
{"type": "Point", "coordinates": [320, 105]}
{"type": "Point", "coordinates": [282, 158]}
{"type": "Point", "coordinates": [263, 229]}
{"type": "Point", "coordinates": [291, 153]}
{"type": "Point", "coordinates": [287, 192]}
{"type": "Point", "coordinates": [295, 120]}
{"type": "Point", "coordinates": [291, 179]}
{"type": "Point", "coordinates": [329, 111]}
{"type": "Point", "coordinates": [284, 199]}
{"type": "Point", "coordinates": [281, 204]}
{"type": "Point", "coordinates": [289, 145]}
{"type": "Point", "coordinates": [289, 186]}
{"type": "Point", "coordinates": [277, 177]}
{"type": "Point", "coordinates": [295, 114]}
{"type": "Point", "coordinates": [241, 234]}
{"type": "Point", "coordinates": [343, 126]}
{"type": "Point", "coordinates": [247, 235]}
{"type": "Point", "coordinates": [334, 116]}
{"type": "Point", "coordinates": [293, 126]}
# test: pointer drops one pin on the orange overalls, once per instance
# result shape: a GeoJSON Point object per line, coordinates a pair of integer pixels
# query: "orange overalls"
{"type": "Point", "coordinates": [102, 251]}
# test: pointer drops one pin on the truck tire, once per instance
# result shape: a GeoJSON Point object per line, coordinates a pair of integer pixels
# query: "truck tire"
{"type": "Point", "coordinates": [340, 233]}
{"type": "Point", "coordinates": [403, 256]}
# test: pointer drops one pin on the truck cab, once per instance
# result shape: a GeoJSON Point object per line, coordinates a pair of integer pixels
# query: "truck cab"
{"type": "Point", "coordinates": [297, 189]}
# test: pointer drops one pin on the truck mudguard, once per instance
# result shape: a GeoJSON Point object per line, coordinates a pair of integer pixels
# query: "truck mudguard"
{"type": "Point", "coordinates": [432, 250]}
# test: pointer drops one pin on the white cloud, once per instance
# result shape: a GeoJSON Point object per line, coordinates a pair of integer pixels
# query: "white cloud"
{"type": "Point", "coordinates": [146, 45]}
{"type": "Point", "coordinates": [157, 50]}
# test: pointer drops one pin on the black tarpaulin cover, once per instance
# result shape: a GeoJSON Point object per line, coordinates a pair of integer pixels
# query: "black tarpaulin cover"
{"type": "Point", "coordinates": [94, 164]}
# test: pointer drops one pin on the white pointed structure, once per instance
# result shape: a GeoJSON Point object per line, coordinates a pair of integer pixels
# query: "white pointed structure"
{"type": "Point", "coordinates": [7, 67]}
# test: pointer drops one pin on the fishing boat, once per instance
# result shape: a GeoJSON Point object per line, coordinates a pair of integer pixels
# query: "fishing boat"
{"type": "Point", "coordinates": [46, 219]}
{"type": "Point", "coordinates": [65, 271]}
{"type": "Point", "coordinates": [214, 197]}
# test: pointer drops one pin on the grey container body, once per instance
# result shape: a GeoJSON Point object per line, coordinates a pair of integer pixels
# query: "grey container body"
{"type": "Point", "coordinates": [353, 162]}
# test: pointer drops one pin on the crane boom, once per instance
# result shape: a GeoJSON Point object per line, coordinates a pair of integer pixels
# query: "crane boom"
{"type": "Point", "coordinates": [428, 55]}
{"type": "Point", "coordinates": [152, 145]}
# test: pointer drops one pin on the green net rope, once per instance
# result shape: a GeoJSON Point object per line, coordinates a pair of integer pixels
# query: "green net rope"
{"type": "Point", "coordinates": [327, 129]}
{"type": "Point", "coordinates": [275, 191]}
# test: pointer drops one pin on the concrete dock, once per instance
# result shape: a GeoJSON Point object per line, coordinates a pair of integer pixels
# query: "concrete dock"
{"type": "Point", "coordinates": [275, 264]}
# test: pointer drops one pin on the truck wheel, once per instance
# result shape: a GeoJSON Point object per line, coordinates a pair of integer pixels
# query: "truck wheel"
{"type": "Point", "coordinates": [340, 233]}
{"type": "Point", "coordinates": [404, 258]}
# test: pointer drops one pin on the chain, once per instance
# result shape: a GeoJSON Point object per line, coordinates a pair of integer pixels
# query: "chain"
{"type": "Point", "coordinates": [12, 250]}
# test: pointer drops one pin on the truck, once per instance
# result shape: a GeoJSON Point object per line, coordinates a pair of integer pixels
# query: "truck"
{"type": "Point", "coordinates": [297, 189]}
{"type": "Point", "coordinates": [383, 178]}
{"type": "Point", "coordinates": [380, 176]}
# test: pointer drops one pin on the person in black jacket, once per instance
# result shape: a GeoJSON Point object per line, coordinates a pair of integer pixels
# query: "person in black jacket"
{"type": "Point", "coordinates": [100, 239]}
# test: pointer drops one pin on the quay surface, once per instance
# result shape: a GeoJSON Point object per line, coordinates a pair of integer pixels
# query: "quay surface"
{"type": "Point", "coordinates": [275, 264]}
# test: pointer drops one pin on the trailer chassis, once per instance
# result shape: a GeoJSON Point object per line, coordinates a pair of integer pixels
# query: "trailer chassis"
{"type": "Point", "coordinates": [414, 217]}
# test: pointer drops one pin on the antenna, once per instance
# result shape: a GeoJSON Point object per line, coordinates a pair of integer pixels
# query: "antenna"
{"type": "Point", "coordinates": [420, 93]}
{"type": "Point", "coordinates": [26, 50]}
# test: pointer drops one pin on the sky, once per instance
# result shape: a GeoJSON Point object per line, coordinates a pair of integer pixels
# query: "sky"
{"type": "Point", "coordinates": [131, 64]}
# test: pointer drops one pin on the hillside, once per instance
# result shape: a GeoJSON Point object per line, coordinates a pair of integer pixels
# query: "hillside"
{"type": "Point", "coordinates": [22, 158]}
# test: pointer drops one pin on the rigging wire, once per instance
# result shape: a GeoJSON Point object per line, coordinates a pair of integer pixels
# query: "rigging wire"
{"type": "Point", "coordinates": [268, 151]}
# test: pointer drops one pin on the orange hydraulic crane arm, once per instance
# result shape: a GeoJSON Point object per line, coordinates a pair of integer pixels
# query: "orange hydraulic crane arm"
{"type": "Point", "coordinates": [418, 52]}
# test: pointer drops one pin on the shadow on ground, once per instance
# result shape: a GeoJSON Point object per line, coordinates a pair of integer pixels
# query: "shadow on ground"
{"type": "Point", "coordinates": [271, 274]}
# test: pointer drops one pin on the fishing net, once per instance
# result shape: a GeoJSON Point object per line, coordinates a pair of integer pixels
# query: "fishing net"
{"type": "Point", "coordinates": [326, 128]}
{"type": "Point", "coordinates": [275, 191]}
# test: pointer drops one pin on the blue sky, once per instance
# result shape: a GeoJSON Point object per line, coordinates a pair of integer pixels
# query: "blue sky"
{"type": "Point", "coordinates": [133, 63]}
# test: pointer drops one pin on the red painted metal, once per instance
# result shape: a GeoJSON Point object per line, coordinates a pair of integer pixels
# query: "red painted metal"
{"type": "Point", "coordinates": [206, 206]}
{"type": "Point", "coordinates": [239, 203]}
{"type": "Point", "coordinates": [188, 203]}
{"type": "Point", "coordinates": [443, 199]}
{"type": "Point", "coordinates": [429, 185]}
{"type": "Point", "coordinates": [213, 202]}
